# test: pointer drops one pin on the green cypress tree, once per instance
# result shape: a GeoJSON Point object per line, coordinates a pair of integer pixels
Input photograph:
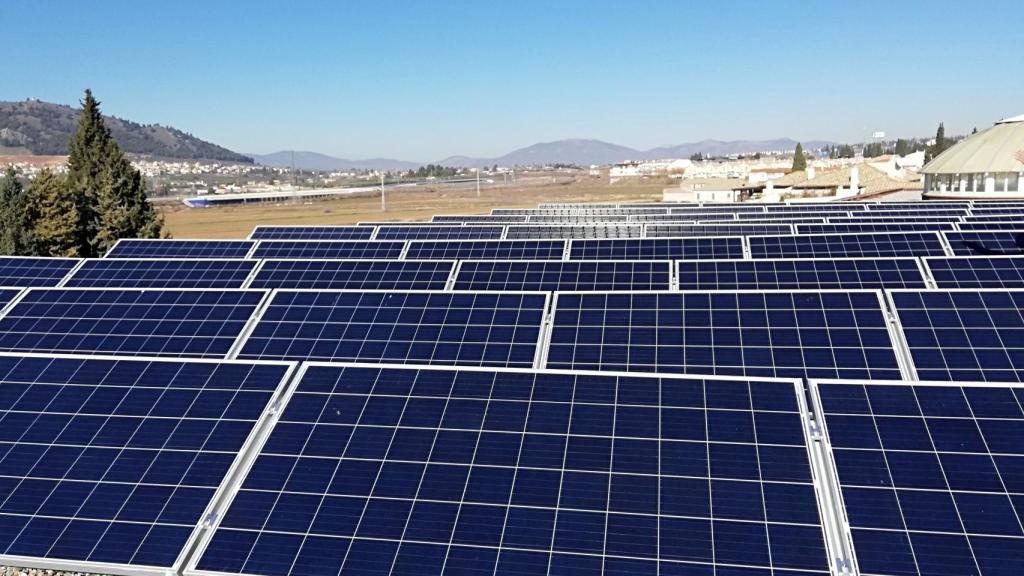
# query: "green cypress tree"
{"type": "Point", "coordinates": [57, 223]}
{"type": "Point", "coordinates": [16, 216]}
{"type": "Point", "coordinates": [799, 160]}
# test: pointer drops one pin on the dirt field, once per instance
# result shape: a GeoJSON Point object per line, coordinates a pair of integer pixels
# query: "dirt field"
{"type": "Point", "coordinates": [238, 221]}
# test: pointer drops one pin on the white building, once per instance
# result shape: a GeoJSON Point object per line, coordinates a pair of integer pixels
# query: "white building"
{"type": "Point", "coordinates": [984, 165]}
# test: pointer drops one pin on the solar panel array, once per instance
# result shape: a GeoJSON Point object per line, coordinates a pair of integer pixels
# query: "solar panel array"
{"type": "Point", "coordinates": [549, 276]}
{"type": "Point", "coordinates": [353, 274]}
{"type": "Point", "coordinates": [32, 272]}
{"type": "Point", "coordinates": [161, 273]}
{"type": "Point", "coordinates": [800, 274]}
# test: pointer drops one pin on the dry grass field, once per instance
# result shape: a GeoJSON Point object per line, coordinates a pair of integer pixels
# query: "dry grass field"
{"type": "Point", "coordinates": [238, 221]}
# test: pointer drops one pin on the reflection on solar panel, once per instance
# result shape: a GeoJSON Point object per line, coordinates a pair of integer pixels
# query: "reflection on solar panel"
{"type": "Point", "coordinates": [7, 295]}
{"type": "Point", "coordinates": [573, 205]}
{"type": "Point", "coordinates": [479, 218]}
{"type": "Point", "coordinates": [353, 274]}
{"type": "Point", "coordinates": [553, 275]}
{"type": "Point", "coordinates": [930, 475]}
{"type": "Point", "coordinates": [847, 245]}
{"type": "Point", "coordinates": [439, 232]}
{"type": "Point", "coordinates": [657, 248]}
{"type": "Point", "coordinates": [872, 218]}
{"type": "Point", "coordinates": [196, 323]}
{"type": "Point", "coordinates": [29, 272]}
{"type": "Point", "coordinates": [911, 213]}
{"type": "Point", "coordinates": [801, 207]}
{"type": "Point", "coordinates": [487, 250]}
{"type": "Point", "coordinates": [180, 249]}
{"type": "Point", "coordinates": [332, 249]}
{"type": "Point", "coordinates": [581, 231]}
{"type": "Point", "coordinates": [683, 218]}
{"type": "Point", "coordinates": [579, 220]}
{"type": "Point", "coordinates": [785, 334]}
{"type": "Point", "coordinates": [977, 271]}
{"type": "Point", "coordinates": [801, 273]}
{"type": "Point", "coordinates": [963, 334]}
{"type": "Point", "coordinates": [677, 230]}
{"type": "Point", "coordinates": [852, 228]}
{"type": "Point", "coordinates": [980, 226]}
{"type": "Point", "coordinates": [114, 461]}
{"type": "Point", "coordinates": [820, 214]}
{"type": "Point", "coordinates": [995, 243]}
{"type": "Point", "coordinates": [420, 471]}
{"type": "Point", "coordinates": [130, 273]}
{"type": "Point", "coordinates": [474, 329]}
{"type": "Point", "coordinates": [311, 233]}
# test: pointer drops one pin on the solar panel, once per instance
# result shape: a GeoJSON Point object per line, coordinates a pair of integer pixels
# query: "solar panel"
{"type": "Point", "coordinates": [918, 206]}
{"type": "Point", "coordinates": [683, 218]}
{"type": "Point", "coordinates": [161, 273]}
{"type": "Point", "coordinates": [912, 213]}
{"type": "Point", "coordinates": [110, 464]}
{"type": "Point", "coordinates": [180, 249]}
{"type": "Point", "coordinates": [329, 249]}
{"type": "Point", "coordinates": [408, 223]}
{"type": "Point", "coordinates": [963, 335]}
{"type": "Point", "coordinates": [311, 233]}
{"type": "Point", "coordinates": [772, 219]}
{"type": "Point", "coordinates": [7, 295]}
{"type": "Point", "coordinates": [31, 272]}
{"type": "Point", "coordinates": [426, 471]}
{"type": "Point", "coordinates": [440, 232]}
{"type": "Point", "coordinates": [796, 334]}
{"type": "Point", "coordinates": [657, 248]}
{"type": "Point", "coordinates": [800, 274]}
{"type": "Point", "coordinates": [993, 243]}
{"type": "Point", "coordinates": [678, 230]}
{"type": "Point", "coordinates": [575, 212]}
{"type": "Point", "coordinates": [787, 214]}
{"type": "Point", "coordinates": [576, 231]}
{"type": "Point", "coordinates": [551, 275]}
{"type": "Point", "coordinates": [479, 218]}
{"type": "Point", "coordinates": [573, 205]}
{"type": "Point", "coordinates": [995, 218]}
{"type": "Point", "coordinates": [977, 271]}
{"type": "Point", "coordinates": [1004, 211]}
{"type": "Point", "coordinates": [718, 208]}
{"type": "Point", "coordinates": [873, 218]}
{"type": "Point", "coordinates": [844, 207]}
{"type": "Point", "coordinates": [579, 220]}
{"type": "Point", "coordinates": [989, 225]}
{"type": "Point", "coordinates": [892, 244]}
{"type": "Point", "coordinates": [455, 328]}
{"type": "Point", "coordinates": [130, 322]}
{"type": "Point", "coordinates": [854, 228]}
{"type": "Point", "coordinates": [930, 475]}
{"type": "Point", "coordinates": [486, 250]}
{"type": "Point", "coordinates": [353, 274]}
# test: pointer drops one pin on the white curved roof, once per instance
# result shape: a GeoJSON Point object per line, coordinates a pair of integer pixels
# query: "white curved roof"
{"type": "Point", "coordinates": [993, 150]}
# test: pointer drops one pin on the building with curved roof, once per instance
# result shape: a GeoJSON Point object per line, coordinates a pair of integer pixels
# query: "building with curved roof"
{"type": "Point", "coordinates": [987, 164]}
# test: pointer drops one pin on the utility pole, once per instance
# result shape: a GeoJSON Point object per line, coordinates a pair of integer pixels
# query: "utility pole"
{"type": "Point", "coordinates": [477, 182]}
{"type": "Point", "coordinates": [383, 199]}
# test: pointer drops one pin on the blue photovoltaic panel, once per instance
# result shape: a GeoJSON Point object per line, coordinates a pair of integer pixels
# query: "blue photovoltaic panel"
{"type": "Point", "coordinates": [455, 328]}
{"type": "Point", "coordinates": [684, 218]}
{"type": "Point", "coordinates": [1007, 210]}
{"type": "Point", "coordinates": [311, 233]}
{"type": "Point", "coordinates": [34, 272]}
{"type": "Point", "coordinates": [571, 276]}
{"type": "Point", "coordinates": [912, 213]}
{"type": "Point", "coordinates": [991, 225]}
{"type": "Point", "coordinates": [575, 231]}
{"type": "Point", "coordinates": [930, 475]}
{"type": "Point", "coordinates": [769, 219]}
{"type": "Point", "coordinates": [996, 218]}
{"type": "Point", "coordinates": [977, 271]}
{"type": "Point", "coordinates": [800, 274]}
{"type": "Point", "coordinates": [353, 274]}
{"type": "Point", "coordinates": [7, 295]}
{"type": "Point", "coordinates": [678, 230]}
{"type": "Point", "coordinates": [715, 208]}
{"type": "Point", "coordinates": [787, 214]}
{"type": "Point", "coordinates": [994, 243]}
{"type": "Point", "coordinates": [114, 461]}
{"type": "Point", "coordinates": [892, 244]}
{"type": "Point", "coordinates": [486, 250]}
{"type": "Point", "coordinates": [479, 219]}
{"type": "Point", "coordinates": [963, 334]}
{"type": "Point", "coordinates": [784, 334]}
{"type": "Point", "coordinates": [417, 471]}
{"type": "Point", "coordinates": [181, 249]}
{"type": "Point", "coordinates": [439, 232]}
{"type": "Point", "coordinates": [196, 323]}
{"type": "Point", "coordinates": [857, 227]}
{"type": "Point", "coordinates": [407, 223]}
{"type": "Point", "coordinates": [800, 207]}
{"type": "Point", "coordinates": [916, 206]}
{"type": "Point", "coordinates": [571, 205]}
{"type": "Point", "coordinates": [873, 218]}
{"type": "Point", "coordinates": [162, 273]}
{"type": "Point", "coordinates": [332, 249]}
{"type": "Point", "coordinates": [657, 249]}
{"type": "Point", "coordinates": [575, 212]}
{"type": "Point", "coordinates": [581, 220]}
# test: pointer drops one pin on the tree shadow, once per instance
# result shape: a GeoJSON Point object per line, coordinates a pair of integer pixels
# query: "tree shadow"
{"type": "Point", "coordinates": [977, 248]}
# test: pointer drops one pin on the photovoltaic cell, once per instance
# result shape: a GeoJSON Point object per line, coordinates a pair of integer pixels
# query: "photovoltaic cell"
{"type": "Point", "coordinates": [479, 219]}
{"type": "Point", "coordinates": [917, 206]}
{"type": "Point", "coordinates": [576, 231]}
{"type": "Point", "coordinates": [963, 335]}
{"type": "Point", "coordinates": [580, 220]}
{"type": "Point", "coordinates": [991, 225]}
{"type": "Point", "coordinates": [439, 232]}
{"type": "Point", "coordinates": [486, 250]}
{"type": "Point", "coordinates": [554, 275]}
{"type": "Point", "coordinates": [785, 334]}
{"type": "Point", "coordinates": [994, 243]}
{"type": "Point", "coordinates": [332, 249]}
{"type": "Point", "coordinates": [454, 328]}
{"type": "Point", "coordinates": [161, 273]}
{"type": "Point", "coordinates": [575, 212]}
{"type": "Point", "coordinates": [657, 248]}
{"type": "Point", "coordinates": [800, 274]}
{"type": "Point", "coordinates": [679, 230]}
{"type": "Point", "coordinates": [811, 207]}
{"type": "Point", "coordinates": [853, 228]}
{"type": "Point", "coordinates": [794, 214]}
{"type": "Point", "coordinates": [7, 295]}
{"type": "Point", "coordinates": [893, 244]}
{"type": "Point", "coordinates": [311, 233]}
{"type": "Point", "coordinates": [419, 471]}
{"type": "Point", "coordinates": [33, 272]}
{"type": "Point", "coordinates": [109, 464]}
{"type": "Point", "coordinates": [874, 218]}
{"type": "Point", "coordinates": [353, 274]}
{"type": "Point", "coordinates": [930, 475]}
{"type": "Point", "coordinates": [195, 323]}
{"type": "Point", "coordinates": [684, 218]}
{"type": "Point", "coordinates": [912, 213]}
{"type": "Point", "coordinates": [180, 249]}
{"type": "Point", "coordinates": [977, 271]}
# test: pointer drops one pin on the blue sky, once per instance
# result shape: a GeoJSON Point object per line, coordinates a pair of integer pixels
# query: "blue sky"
{"type": "Point", "coordinates": [424, 80]}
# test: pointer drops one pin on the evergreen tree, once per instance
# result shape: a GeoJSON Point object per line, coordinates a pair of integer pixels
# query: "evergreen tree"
{"type": "Point", "coordinates": [902, 147]}
{"type": "Point", "coordinates": [16, 216]}
{"type": "Point", "coordinates": [57, 222]}
{"type": "Point", "coordinates": [799, 160]}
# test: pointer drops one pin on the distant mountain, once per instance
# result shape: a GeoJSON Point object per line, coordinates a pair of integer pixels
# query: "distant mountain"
{"type": "Point", "coordinates": [44, 128]}
{"type": "Point", "coordinates": [305, 160]}
{"type": "Point", "coordinates": [726, 148]}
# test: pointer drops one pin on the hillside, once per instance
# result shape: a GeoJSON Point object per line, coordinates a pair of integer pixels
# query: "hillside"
{"type": "Point", "coordinates": [44, 128]}
{"type": "Point", "coordinates": [305, 160]}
